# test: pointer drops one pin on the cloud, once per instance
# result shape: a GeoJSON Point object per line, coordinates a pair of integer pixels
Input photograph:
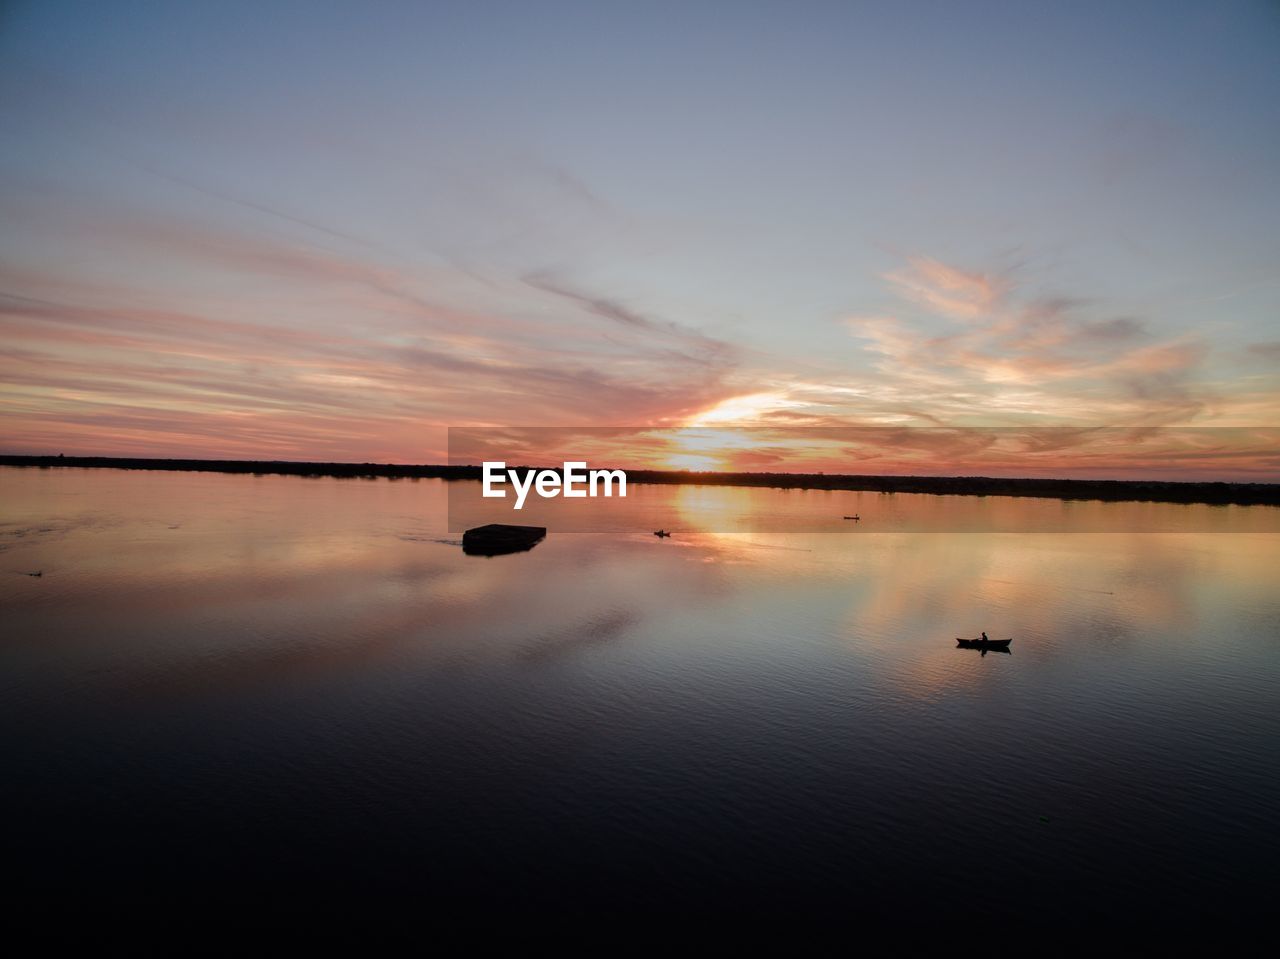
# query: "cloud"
{"type": "Point", "coordinates": [253, 344]}
{"type": "Point", "coordinates": [691, 346]}
{"type": "Point", "coordinates": [947, 290]}
{"type": "Point", "coordinates": [347, 358]}
{"type": "Point", "coordinates": [1050, 358]}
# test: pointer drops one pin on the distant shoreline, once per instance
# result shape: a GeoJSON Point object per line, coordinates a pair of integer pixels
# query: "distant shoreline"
{"type": "Point", "coordinates": [1155, 491]}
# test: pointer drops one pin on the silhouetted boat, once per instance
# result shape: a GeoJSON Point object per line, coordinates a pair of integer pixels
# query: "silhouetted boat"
{"type": "Point", "coordinates": [981, 643]}
{"type": "Point", "coordinates": [661, 533]}
{"type": "Point", "coordinates": [498, 538]}
{"type": "Point", "coordinates": [853, 517]}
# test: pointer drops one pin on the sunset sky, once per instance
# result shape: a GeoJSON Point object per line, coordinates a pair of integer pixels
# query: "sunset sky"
{"type": "Point", "coordinates": [328, 231]}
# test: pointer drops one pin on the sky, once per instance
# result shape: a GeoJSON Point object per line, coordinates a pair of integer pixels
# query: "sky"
{"type": "Point", "coordinates": [330, 231]}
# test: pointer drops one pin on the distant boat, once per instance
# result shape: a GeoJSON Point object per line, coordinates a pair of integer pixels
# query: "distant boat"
{"type": "Point", "coordinates": [981, 643]}
{"type": "Point", "coordinates": [499, 538]}
{"type": "Point", "coordinates": [661, 533]}
{"type": "Point", "coordinates": [854, 517]}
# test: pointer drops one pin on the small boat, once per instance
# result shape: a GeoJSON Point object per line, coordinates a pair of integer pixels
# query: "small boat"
{"type": "Point", "coordinates": [661, 533]}
{"type": "Point", "coordinates": [981, 643]}
{"type": "Point", "coordinates": [499, 538]}
{"type": "Point", "coordinates": [854, 517]}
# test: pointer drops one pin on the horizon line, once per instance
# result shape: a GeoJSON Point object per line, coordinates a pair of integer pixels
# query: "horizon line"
{"type": "Point", "coordinates": [1210, 492]}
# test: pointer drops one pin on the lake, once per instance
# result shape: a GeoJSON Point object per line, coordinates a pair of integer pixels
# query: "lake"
{"type": "Point", "coordinates": [238, 683]}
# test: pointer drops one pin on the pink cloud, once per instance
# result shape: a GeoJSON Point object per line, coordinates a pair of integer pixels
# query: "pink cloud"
{"type": "Point", "coordinates": [1064, 361]}
{"type": "Point", "coordinates": [947, 290]}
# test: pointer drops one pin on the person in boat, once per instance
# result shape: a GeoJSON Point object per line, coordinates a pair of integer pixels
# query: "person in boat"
{"type": "Point", "coordinates": [984, 636]}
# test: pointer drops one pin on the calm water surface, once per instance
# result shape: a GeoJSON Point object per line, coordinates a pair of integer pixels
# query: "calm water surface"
{"type": "Point", "coordinates": [303, 686]}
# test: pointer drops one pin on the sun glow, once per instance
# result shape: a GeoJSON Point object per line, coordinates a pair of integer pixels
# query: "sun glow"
{"type": "Point", "coordinates": [743, 409]}
{"type": "Point", "coordinates": [699, 448]}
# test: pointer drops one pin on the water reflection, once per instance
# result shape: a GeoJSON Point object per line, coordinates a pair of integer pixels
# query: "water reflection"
{"type": "Point", "coordinates": [729, 509]}
{"type": "Point", "coordinates": [297, 665]}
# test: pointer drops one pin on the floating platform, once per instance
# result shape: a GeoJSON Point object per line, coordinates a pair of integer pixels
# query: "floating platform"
{"type": "Point", "coordinates": [498, 538]}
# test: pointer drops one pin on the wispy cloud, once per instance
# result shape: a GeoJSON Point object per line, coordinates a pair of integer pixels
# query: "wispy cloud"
{"type": "Point", "coordinates": [336, 351]}
{"type": "Point", "coordinates": [350, 357]}
{"type": "Point", "coordinates": [692, 346]}
{"type": "Point", "coordinates": [967, 349]}
{"type": "Point", "coordinates": [1068, 362]}
{"type": "Point", "coordinates": [947, 290]}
